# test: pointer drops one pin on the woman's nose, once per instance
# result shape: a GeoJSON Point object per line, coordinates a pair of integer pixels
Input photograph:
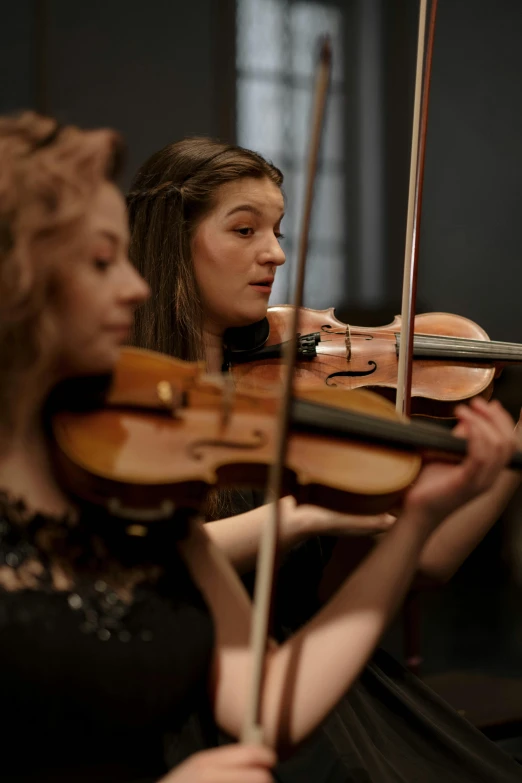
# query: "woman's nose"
{"type": "Point", "coordinates": [274, 253]}
{"type": "Point", "coordinates": [136, 290]}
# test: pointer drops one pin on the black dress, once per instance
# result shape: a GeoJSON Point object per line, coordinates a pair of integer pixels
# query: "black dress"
{"type": "Point", "coordinates": [390, 727]}
{"type": "Point", "coordinates": [95, 688]}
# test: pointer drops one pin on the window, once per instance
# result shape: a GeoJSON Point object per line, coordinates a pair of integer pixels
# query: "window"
{"type": "Point", "coordinates": [276, 58]}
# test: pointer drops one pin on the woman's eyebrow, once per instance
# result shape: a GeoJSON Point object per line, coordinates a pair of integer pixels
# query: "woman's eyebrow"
{"type": "Point", "coordinates": [251, 208]}
{"type": "Point", "coordinates": [245, 208]}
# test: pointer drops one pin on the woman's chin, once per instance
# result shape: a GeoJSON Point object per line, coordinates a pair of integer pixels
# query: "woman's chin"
{"type": "Point", "coordinates": [99, 364]}
{"type": "Point", "coordinates": [251, 315]}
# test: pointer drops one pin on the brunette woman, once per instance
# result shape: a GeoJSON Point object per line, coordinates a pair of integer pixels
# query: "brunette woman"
{"type": "Point", "coordinates": [205, 230]}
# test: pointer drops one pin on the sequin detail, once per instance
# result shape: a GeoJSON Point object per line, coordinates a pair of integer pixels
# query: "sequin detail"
{"type": "Point", "coordinates": [14, 550]}
{"type": "Point", "coordinates": [101, 611]}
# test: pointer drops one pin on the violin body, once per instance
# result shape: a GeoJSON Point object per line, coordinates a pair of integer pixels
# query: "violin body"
{"type": "Point", "coordinates": [351, 357]}
{"type": "Point", "coordinates": [168, 434]}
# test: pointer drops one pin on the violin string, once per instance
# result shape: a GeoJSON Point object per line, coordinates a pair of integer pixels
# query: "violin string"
{"type": "Point", "coordinates": [493, 349]}
{"type": "Point", "coordinates": [461, 345]}
{"type": "Point", "coordinates": [320, 419]}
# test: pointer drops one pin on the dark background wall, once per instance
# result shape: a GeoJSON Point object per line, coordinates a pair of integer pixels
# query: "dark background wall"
{"type": "Point", "coordinates": [472, 231]}
{"type": "Point", "coordinates": [471, 237]}
{"type": "Point", "coordinates": [155, 70]}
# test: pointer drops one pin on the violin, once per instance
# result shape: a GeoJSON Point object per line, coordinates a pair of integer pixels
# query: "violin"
{"type": "Point", "coordinates": [167, 433]}
{"type": "Point", "coordinates": [453, 358]}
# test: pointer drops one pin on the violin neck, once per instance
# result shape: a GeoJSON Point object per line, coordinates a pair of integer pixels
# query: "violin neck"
{"type": "Point", "coordinates": [426, 346]}
{"type": "Point", "coordinates": [317, 419]}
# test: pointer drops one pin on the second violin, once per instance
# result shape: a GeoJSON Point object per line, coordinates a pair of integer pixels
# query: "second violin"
{"type": "Point", "coordinates": [453, 358]}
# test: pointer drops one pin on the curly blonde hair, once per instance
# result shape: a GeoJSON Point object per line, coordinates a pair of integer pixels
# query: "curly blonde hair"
{"type": "Point", "coordinates": [48, 174]}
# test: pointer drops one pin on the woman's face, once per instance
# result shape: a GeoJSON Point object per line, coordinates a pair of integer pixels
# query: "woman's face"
{"type": "Point", "coordinates": [99, 290]}
{"type": "Point", "coordinates": [236, 252]}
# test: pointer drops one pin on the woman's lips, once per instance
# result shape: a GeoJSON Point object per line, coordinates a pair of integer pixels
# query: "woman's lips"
{"type": "Point", "coordinates": [122, 332]}
{"type": "Point", "coordinates": [264, 288]}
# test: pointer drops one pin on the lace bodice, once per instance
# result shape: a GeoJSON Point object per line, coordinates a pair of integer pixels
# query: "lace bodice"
{"type": "Point", "coordinates": [105, 647]}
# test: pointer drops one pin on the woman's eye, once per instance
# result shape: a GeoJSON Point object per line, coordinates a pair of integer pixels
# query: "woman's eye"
{"type": "Point", "coordinates": [245, 232]}
{"type": "Point", "coordinates": [102, 264]}
{"type": "Point", "coordinates": [279, 236]}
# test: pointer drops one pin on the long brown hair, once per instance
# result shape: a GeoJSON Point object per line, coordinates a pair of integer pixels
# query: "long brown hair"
{"type": "Point", "coordinates": [171, 193]}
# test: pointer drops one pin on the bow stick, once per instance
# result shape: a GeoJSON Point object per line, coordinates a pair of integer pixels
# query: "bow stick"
{"type": "Point", "coordinates": [411, 614]}
{"type": "Point", "coordinates": [252, 729]}
{"type": "Point", "coordinates": [418, 155]}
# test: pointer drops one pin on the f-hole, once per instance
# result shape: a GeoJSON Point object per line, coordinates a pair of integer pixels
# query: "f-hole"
{"type": "Point", "coordinates": [351, 373]}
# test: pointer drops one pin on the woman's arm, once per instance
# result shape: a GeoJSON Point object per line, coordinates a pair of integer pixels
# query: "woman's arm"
{"type": "Point", "coordinates": [299, 689]}
{"type": "Point", "coordinates": [462, 531]}
{"type": "Point", "coordinates": [239, 536]}
{"type": "Point", "coordinates": [449, 545]}
{"type": "Point", "coordinates": [444, 551]}
{"type": "Point", "coordinates": [459, 534]}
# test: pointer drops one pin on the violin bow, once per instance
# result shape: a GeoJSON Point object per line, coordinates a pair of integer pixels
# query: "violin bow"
{"type": "Point", "coordinates": [252, 729]}
{"type": "Point", "coordinates": [411, 253]}
{"type": "Point", "coordinates": [411, 612]}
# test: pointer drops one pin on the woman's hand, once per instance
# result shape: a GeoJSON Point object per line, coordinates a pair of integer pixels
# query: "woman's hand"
{"type": "Point", "coordinates": [441, 487]}
{"type": "Point", "coordinates": [518, 431]}
{"type": "Point", "coordinates": [306, 520]}
{"type": "Point", "coordinates": [228, 764]}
